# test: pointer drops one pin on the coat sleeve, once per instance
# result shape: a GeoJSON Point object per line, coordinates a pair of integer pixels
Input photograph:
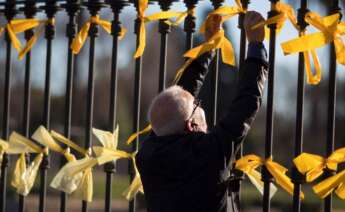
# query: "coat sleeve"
{"type": "Point", "coordinates": [194, 75]}
{"type": "Point", "coordinates": [241, 113]}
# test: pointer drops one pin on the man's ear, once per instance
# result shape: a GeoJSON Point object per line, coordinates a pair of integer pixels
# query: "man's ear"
{"type": "Point", "coordinates": [189, 126]}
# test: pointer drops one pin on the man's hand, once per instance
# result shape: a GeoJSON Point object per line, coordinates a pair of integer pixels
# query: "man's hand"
{"type": "Point", "coordinates": [213, 25]}
{"type": "Point", "coordinates": [251, 19]}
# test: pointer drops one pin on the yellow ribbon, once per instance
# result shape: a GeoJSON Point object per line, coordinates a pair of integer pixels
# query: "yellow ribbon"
{"type": "Point", "coordinates": [80, 39]}
{"type": "Point", "coordinates": [336, 182]}
{"type": "Point", "coordinates": [226, 12]}
{"type": "Point", "coordinates": [286, 12]}
{"type": "Point", "coordinates": [143, 4]}
{"type": "Point", "coordinates": [24, 176]}
{"type": "Point", "coordinates": [76, 175]}
{"type": "Point", "coordinates": [109, 151]}
{"type": "Point", "coordinates": [42, 136]}
{"type": "Point", "coordinates": [331, 31]}
{"type": "Point", "coordinates": [249, 163]}
{"type": "Point", "coordinates": [40, 28]}
{"type": "Point", "coordinates": [17, 26]}
{"type": "Point", "coordinates": [136, 184]}
{"type": "Point", "coordinates": [217, 41]}
{"type": "Point", "coordinates": [181, 17]}
{"type": "Point", "coordinates": [313, 165]}
{"type": "Point", "coordinates": [132, 137]}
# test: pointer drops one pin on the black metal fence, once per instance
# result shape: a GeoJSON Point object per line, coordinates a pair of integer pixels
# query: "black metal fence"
{"type": "Point", "coordinates": [30, 8]}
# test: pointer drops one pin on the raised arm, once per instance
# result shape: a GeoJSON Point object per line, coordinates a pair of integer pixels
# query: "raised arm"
{"type": "Point", "coordinates": [235, 125]}
{"type": "Point", "coordinates": [193, 77]}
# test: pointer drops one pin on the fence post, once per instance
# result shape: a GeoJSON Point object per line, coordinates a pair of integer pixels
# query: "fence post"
{"type": "Point", "coordinates": [266, 176]}
{"type": "Point", "coordinates": [189, 23]}
{"type": "Point", "coordinates": [10, 11]}
{"type": "Point", "coordinates": [94, 6]}
{"type": "Point", "coordinates": [239, 176]}
{"type": "Point", "coordinates": [109, 168]}
{"type": "Point", "coordinates": [215, 75]}
{"type": "Point", "coordinates": [297, 178]}
{"type": "Point", "coordinates": [29, 10]}
{"type": "Point", "coordinates": [137, 100]}
{"type": "Point", "coordinates": [72, 8]}
{"type": "Point", "coordinates": [50, 8]}
{"type": "Point", "coordinates": [164, 30]}
{"type": "Point", "coordinates": [331, 106]}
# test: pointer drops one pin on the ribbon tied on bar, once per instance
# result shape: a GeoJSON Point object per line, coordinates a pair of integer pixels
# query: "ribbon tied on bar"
{"type": "Point", "coordinates": [40, 28]}
{"type": "Point", "coordinates": [249, 163]}
{"type": "Point", "coordinates": [80, 39]}
{"type": "Point", "coordinates": [217, 41]}
{"type": "Point", "coordinates": [24, 176]}
{"type": "Point", "coordinates": [108, 151]}
{"type": "Point", "coordinates": [76, 175]}
{"type": "Point", "coordinates": [17, 26]}
{"type": "Point", "coordinates": [331, 31]}
{"type": "Point", "coordinates": [313, 165]}
{"type": "Point", "coordinates": [143, 4]}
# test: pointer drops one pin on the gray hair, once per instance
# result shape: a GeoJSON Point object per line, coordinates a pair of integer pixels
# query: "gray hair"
{"type": "Point", "coordinates": [169, 111]}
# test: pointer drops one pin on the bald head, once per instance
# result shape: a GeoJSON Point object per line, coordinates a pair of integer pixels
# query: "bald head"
{"type": "Point", "coordinates": [170, 110]}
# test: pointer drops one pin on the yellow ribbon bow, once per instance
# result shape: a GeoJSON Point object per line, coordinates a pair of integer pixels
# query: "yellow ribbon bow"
{"type": "Point", "coordinates": [336, 182]}
{"type": "Point", "coordinates": [143, 4]}
{"type": "Point", "coordinates": [76, 175]}
{"type": "Point", "coordinates": [313, 165]}
{"type": "Point", "coordinates": [80, 39]}
{"type": "Point", "coordinates": [331, 31]}
{"type": "Point", "coordinates": [24, 176]}
{"type": "Point", "coordinates": [109, 151]}
{"type": "Point", "coordinates": [249, 163]}
{"type": "Point", "coordinates": [17, 26]}
{"type": "Point", "coordinates": [35, 23]}
{"type": "Point", "coordinates": [286, 12]}
{"type": "Point", "coordinates": [136, 185]}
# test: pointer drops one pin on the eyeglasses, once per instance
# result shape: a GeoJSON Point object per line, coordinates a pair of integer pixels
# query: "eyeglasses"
{"type": "Point", "coordinates": [197, 103]}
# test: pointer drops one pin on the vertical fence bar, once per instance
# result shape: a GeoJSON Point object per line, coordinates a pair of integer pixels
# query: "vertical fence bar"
{"type": "Point", "coordinates": [297, 178]}
{"type": "Point", "coordinates": [266, 176]}
{"type": "Point", "coordinates": [94, 7]}
{"type": "Point", "coordinates": [215, 75]}
{"type": "Point", "coordinates": [72, 8]}
{"type": "Point", "coordinates": [50, 8]}
{"type": "Point", "coordinates": [109, 168]}
{"type": "Point", "coordinates": [331, 106]}
{"type": "Point", "coordinates": [10, 12]}
{"type": "Point", "coordinates": [136, 102]}
{"type": "Point", "coordinates": [29, 11]}
{"type": "Point", "coordinates": [164, 30]}
{"type": "Point", "coordinates": [189, 23]}
{"type": "Point", "coordinates": [239, 176]}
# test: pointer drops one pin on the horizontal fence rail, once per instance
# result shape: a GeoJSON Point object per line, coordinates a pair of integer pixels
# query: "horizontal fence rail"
{"type": "Point", "coordinates": [84, 25]}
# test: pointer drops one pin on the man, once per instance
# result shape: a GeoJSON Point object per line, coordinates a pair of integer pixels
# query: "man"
{"type": "Point", "coordinates": [183, 166]}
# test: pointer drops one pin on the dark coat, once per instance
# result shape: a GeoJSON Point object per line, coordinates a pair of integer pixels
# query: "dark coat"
{"type": "Point", "coordinates": [184, 173]}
